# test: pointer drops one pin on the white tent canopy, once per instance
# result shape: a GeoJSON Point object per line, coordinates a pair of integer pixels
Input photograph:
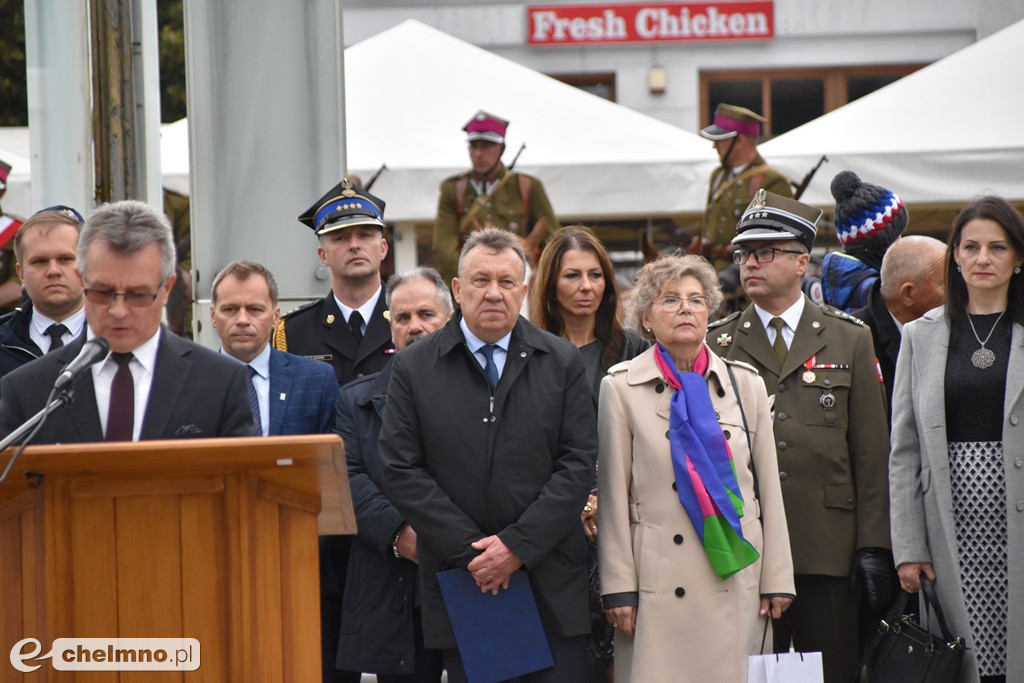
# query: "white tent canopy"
{"type": "Point", "coordinates": [943, 134]}
{"type": "Point", "coordinates": [410, 89]}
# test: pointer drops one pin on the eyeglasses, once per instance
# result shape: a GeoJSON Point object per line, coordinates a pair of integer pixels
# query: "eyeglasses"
{"type": "Point", "coordinates": [485, 282]}
{"type": "Point", "coordinates": [107, 297]}
{"type": "Point", "coordinates": [761, 254]}
{"type": "Point", "coordinates": [671, 304]}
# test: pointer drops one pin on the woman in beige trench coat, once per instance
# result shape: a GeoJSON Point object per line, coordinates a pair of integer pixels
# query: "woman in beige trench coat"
{"type": "Point", "coordinates": [676, 619]}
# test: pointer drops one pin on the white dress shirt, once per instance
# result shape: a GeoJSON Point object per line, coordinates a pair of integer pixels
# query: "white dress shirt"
{"type": "Point", "coordinates": [142, 367]}
{"type": "Point", "coordinates": [474, 344]}
{"type": "Point", "coordinates": [40, 323]}
{"type": "Point", "coordinates": [790, 316]}
{"type": "Point", "coordinates": [366, 310]}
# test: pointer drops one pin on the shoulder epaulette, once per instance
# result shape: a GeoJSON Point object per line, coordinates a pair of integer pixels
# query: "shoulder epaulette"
{"type": "Point", "coordinates": [841, 314]}
{"type": "Point", "coordinates": [303, 307]}
{"type": "Point", "coordinates": [279, 340]}
{"type": "Point", "coordinates": [741, 364]}
{"type": "Point", "coordinates": [727, 319]}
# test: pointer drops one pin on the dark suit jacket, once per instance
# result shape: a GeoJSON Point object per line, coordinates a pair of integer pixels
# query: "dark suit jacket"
{"type": "Point", "coordinates": [377, 632]}
{"type": "Point", "coordinates": [302, 395]}
{"type": "Point", "coordinates": [319, 331]}
{"type": "Point", "coordinates": [463, 461]}
{"type": "Point", "coordinates": [886, 337]}
{"type": "Point", "coordinates": [196, 393]}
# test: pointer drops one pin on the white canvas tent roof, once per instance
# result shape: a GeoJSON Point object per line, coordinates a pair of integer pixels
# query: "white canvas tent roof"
{"type": "Point", "coordinates": [945, 133]}
{"type": "Point", "coordinates": [14, 150]}
{"type": "Point", "coordinates": [410, 89]}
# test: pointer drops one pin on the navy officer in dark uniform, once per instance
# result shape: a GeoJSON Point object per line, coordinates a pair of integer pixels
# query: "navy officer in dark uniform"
{"type": "Point", "coordinates": [348, 329]}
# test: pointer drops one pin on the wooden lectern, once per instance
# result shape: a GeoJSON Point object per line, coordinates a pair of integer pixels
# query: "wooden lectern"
{"type": "Point", "coordinates": [212, 539]}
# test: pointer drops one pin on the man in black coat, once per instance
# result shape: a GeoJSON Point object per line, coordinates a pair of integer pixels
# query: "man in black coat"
{"type": "Point", "coordinates": [488, 443]}
{"type": "Point", "coordinates": [382, 630]}
{"type": "Point", "coordinates": [911, 284]}
{"type": "Point", "coordinates": [152, 385]}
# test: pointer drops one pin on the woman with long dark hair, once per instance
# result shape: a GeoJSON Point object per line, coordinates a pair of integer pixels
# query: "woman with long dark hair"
{"type": "Point", "coordinates": [956, 470]}
{"type": "Point", "coordinates": [575, 296]}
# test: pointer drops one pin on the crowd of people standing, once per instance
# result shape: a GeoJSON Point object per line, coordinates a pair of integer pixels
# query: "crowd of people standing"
{"type": "Point", "coordinates": [681, 488]}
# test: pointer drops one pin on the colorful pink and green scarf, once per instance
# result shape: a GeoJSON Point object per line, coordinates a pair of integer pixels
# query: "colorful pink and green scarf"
{"type": "Point", "coordinates": [704, 469]}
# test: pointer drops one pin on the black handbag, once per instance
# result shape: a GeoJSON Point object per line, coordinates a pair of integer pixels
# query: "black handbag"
{"type": "Point", "coordinates": [904, 651]}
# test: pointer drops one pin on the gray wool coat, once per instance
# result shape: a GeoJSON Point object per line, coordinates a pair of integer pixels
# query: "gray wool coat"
{"type": "Point", "coordinates": [921, 502]}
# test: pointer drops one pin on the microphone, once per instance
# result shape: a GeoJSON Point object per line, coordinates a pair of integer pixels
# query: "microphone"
{"type": "Point", "coordinates": [94, 350]}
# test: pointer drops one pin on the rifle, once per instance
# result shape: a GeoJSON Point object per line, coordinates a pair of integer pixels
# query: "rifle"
{"type": "Point", "coordinates": [373, 179]}
{"type": "Point", "coordinates": [799, 190]}
{"type": "Point", "coordinates": [516, 157]}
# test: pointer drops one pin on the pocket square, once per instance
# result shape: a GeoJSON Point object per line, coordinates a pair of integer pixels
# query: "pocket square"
{"type": "Point", "coordinates": [188, 430]}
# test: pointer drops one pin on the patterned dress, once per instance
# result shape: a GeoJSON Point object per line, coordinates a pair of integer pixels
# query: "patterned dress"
{"type": "Point", "coordinates": [974, 419]}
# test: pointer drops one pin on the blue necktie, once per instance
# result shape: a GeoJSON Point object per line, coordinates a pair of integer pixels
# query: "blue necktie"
{"type": "Point", "coordinates": [254, 401]}
{"type": "Point", "coordinates": [490, 369]}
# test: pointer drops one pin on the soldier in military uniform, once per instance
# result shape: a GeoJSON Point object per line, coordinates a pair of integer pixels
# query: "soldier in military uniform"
{"type": "Point", "coordinates": [830, 430]}
{"type": "Point", "coordinates": [743, 172]}
{"type": "Point", "coordinates": [489, 195]}
{"type": "Point", "coordinates": [349, 330]}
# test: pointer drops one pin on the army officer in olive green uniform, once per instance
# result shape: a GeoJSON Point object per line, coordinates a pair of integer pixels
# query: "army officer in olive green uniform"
{"type": "Point", "coordinates": [830, 425]}
{"type": "Point", "coordinates": [743, 172]}
{"type": "Point", "coordinates": [489, 195]}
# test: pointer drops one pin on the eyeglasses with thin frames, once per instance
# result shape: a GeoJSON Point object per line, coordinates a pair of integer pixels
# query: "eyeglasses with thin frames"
{"type": "Point", "coordinates": [671, 304]}
{"type": "Point", "coordinates": [761, 254]}
{"type": "Point", "coordinates": [107, 297]}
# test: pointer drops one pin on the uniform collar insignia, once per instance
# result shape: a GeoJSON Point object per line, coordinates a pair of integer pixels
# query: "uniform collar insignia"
{"type": "Point", "coordinates": [724, 339]}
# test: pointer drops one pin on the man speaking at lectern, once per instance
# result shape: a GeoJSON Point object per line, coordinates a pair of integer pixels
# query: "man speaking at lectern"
{"type": "Point", "coordinates": [152, 384]}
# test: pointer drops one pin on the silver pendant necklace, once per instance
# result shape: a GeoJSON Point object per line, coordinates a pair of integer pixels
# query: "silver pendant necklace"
{"type": "Point", "coordinates": [983, 358]}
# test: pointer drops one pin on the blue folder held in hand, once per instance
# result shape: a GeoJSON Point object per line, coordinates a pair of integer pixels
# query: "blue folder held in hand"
{"type": "Point", "coordinates": [499, 636]}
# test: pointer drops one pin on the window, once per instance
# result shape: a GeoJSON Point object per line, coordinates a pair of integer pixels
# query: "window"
{"type": "Point", "coordinates": [600, 84]}
{"type": "Point", "coordinates": [791, 97]}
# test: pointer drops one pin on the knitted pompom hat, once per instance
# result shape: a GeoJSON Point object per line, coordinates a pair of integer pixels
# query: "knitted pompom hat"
{"type": "Point", "coordinates": [868, 218]}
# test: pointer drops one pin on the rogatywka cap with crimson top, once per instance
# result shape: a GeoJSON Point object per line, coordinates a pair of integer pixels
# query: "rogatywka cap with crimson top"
{"type": "Point", "coordinates": [731, 121]}
{"type": "Point", "coordinates": [346, 204]}
{"type": "Point", "coordinates": [484, 126]}
{"type": "Point", "coordinates": [771, 217]}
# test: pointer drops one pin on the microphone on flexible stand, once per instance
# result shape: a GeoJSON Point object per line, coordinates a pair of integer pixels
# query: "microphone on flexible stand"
{"type": "Point", "coordinates": [93, 351]}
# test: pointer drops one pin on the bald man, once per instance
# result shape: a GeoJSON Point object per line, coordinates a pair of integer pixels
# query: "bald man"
{"type": "Point", "coordinates": [911, 284]}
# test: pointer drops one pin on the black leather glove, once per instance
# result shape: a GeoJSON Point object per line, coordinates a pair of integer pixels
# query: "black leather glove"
{"type": "Point", "coordinates": [873, 572]}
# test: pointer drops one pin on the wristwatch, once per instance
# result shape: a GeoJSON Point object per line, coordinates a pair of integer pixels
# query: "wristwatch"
{"type": "Point", "coordinates": [394, 544]}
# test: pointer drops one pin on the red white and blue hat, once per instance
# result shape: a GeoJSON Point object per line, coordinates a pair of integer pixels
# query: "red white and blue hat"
{"type": "Point", "coordinates": [345, 205]}
{"type": "Point", "coordinates": [484, 126]}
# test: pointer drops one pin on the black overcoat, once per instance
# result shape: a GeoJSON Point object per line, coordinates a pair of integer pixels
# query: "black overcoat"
{"type": "Point", "coordinates": [462, 462]}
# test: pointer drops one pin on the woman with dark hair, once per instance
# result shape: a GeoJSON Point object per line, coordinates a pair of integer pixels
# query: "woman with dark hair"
{"type": "Point", "coordinates": [575, 296]}
{"type": "Point", "coordinates": [956, 470]}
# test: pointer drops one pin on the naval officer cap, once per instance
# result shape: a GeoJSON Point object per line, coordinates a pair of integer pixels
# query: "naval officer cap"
{"type": "Point", "coordinates": [731, 121]}
{"type": "Point", "coordinates": [66, 211]}
{"type": "Point", "coordinates": [345, 205]}
{"type": "Point", "coordinates": [771, 217]}
{"type": "Point", "coordinates": [484, 126]}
